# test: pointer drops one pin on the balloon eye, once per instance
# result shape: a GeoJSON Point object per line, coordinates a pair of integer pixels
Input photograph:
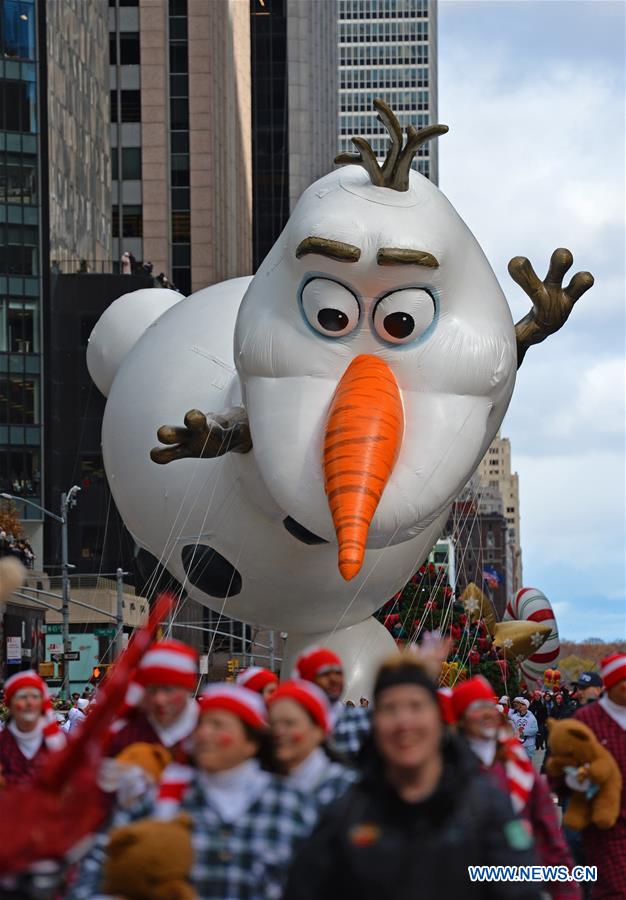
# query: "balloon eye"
{"type": "Point", "coordinates": [402, 316]}
{"type": "Point", "coordinates": [399, 325]}
{"type": "Point", "coordinates": [332, 319]}
{"type": "Point", "coordinates": [329, 307]}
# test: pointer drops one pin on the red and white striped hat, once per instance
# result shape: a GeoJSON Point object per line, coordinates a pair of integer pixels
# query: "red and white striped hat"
{"type": "Point", "coordinates": [169, 663]}
{"type": "Point", "coordinates": [247, 705]}
{"type": "Point", "coordinates": [444, 699]}
{"type": "Point", "coordinates": [613, 669]}
{"type": "Point", "coordinates": [316, 661]}
{"type": "Point", "coordinates": [310, 697]}
{"type": "Point", "coordinates": [256, 679]}
{"type": "Point", "coordinates": [53, 736]}
{"type": "Point", "coordinates": [474, 690]}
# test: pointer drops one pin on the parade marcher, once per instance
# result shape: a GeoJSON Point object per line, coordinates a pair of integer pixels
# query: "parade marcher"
{"type": "Point", "coordinates": [159, 704]}
{"type": "Point", "coordinates": [76, 715]}
{"type": "Point", "coordinates": [299, 715]}
{"type": "Point", "coordinates": [351, 724]}
{"type": "Point", "coordinates": [607, 719]}
{"type": "Point", "coordinates": [500, 754]}
{"type": "Point", "coordinates": [246, 822]}
{"type": "Point", "coordinates": [539, 711]}
{"type": "Point", "coordinates": [32, 730]}
{"type": "Point", "coordinates": [525, 724]}
{"type": "Point", "coordinates": [418, 817]}
{"type": "Point", "coordinates": [589, 688]}
{"type": "Point", "coordinates": [505, 703]}
{"type": "Point", "coordinates": [263, 681]}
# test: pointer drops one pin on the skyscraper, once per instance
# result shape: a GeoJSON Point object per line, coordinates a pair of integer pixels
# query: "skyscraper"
{"type": "Point", "coordinates": [294, 107]}
{"type": "Point", "coordinates": [54, 207]}
{"type": "Point", "coordinates": [388, 49]}
{"type": "Point", "coordinates": [494, 471]}
{"type": "Point", "coordinates": [181, 137]}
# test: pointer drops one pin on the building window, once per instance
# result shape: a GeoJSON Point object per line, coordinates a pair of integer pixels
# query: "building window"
{"type": "Point", "coordinates": [181, 228]}
{"type": "Point", "coordinates": [17, 30]}
{"type": "Point", "coordinates": [19, 400]}
{"type": "Point", "coordinates": [18, 179]}
{"type": "Point", "coordinates": [130, 54]}
{"type": "Point", "coordinates": [112, 49]}
{"type": "Point", "coordinates": [131, 163]}
{"type": "Point", "coordinates": [19, 471]}
{"type": "Point", "coordinates": [19, 327]}
{"type": "Point", "coordinates": [19, 253]}
{"type": "Point", "coordinates": [130, 106]}
{"type": "Point", "coordinates": [179, 114]}
{"type": "Point", "coordinates": [132, 221]}
{"type": "Point", "coordinates": [113, 96]}
{"type": "Point", "coordinates": [18, 109]}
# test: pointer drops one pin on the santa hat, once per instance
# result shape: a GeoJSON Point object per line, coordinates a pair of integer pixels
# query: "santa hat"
{"type": "Point", "coordinates": [52, 734]}
{"type": "Point", "coordinates": [613, 669]}
{"type": "Point", "coordinates": [242, 702]}
{"type": "Point", "coordinates": [504, 700]}
{"type": "Point", "coordinates": [444, 698]}
{"type": "Point", "coordinates": [256, 679]}
{"type": "Point", "coordinates": [170, 663]}
{"type": "Point", "coordinates": [316, 661]}
{"type": "Point", "coordinates": [474, 690]}
{"type": "Point", "coordinates": [310, 697]}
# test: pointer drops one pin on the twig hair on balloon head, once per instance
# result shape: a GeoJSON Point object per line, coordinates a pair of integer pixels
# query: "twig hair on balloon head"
{"type": "Point", "coordinates": [394, 172]}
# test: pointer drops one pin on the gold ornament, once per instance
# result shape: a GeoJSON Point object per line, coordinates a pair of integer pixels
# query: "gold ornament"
{"type": "Point", "coordinates": [519, 640]}
{"type": "Point", "coordinates": [479, 606]}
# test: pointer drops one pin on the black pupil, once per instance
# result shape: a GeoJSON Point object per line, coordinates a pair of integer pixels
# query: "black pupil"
{"type": "Point", "coordinates": [332, 319]}
{"type": "Point", "coordinates": [399, 324]}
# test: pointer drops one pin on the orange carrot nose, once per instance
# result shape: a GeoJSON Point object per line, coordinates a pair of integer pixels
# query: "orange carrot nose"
{"type": "Point", "coordinates": [363, 435]}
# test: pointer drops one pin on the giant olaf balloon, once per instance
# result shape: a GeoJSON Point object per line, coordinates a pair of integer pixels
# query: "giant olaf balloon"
{"type": "Point", "coordinates": [338, 401]}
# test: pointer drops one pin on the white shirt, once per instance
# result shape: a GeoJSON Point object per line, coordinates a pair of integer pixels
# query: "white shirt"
{"type": "Point", "coordinates": [614, 710]}
{"type": "Point", "coordinates": [484, 748]}
{"type": "Point", "coordinates": [29, 742]}
{"type": "Point", "coordinates": [311, 772]}
{"type": "Point", "coordinates": [233, 791]}
{"type": "Point", "coordinates": [181, 728]}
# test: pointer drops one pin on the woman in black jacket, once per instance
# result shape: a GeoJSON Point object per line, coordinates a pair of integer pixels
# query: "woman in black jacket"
{"type": "Point", "coordinates": [418, 817]}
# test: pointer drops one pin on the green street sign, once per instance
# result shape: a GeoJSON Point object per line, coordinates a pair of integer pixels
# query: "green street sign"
{"type": "Point", "coordinates": [104, 632]}
{"type": "Point", "coordinates": [53, 629]}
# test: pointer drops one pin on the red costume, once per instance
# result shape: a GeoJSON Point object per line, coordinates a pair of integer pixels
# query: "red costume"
{"type": "Point", "coordinates": [607, 849]}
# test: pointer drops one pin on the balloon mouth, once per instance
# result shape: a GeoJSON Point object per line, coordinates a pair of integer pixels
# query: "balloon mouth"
{"type": "Point", "coordinates": [301, 533]}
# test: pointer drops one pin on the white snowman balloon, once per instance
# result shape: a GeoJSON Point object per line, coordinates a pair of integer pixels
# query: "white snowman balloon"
{"type": "Point", "coordinates": [375, 269]}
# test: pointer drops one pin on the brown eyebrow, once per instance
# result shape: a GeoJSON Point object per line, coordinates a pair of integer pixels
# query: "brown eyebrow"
{"type": "Point", "coordinates": [394, 256]}
{"type": "Point", "coordinates": [326, 247]}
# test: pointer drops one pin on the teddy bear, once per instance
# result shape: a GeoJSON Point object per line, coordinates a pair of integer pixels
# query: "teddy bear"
{"type": "Point", "coordinates": [589, 770]}
{"type": "Point", "coordinates": [134, 773]}
{"type": "Point", "coordinates": [150, 860]}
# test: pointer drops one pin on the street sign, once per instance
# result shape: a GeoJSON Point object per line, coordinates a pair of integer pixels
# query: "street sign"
{"type": "Point", "coordinates": [53, 629]}
{"type": "Point", "coordinates": [14, 649]}
{"type": "Point", "coordinates": [104, 632]}
{"type": "Point", "coordinates": [55, 648]}
{"type": "Point", "coordinates": [72, 656]}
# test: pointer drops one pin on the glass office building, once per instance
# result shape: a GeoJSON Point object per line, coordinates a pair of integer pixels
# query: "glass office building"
{"type": "Point", "coordinates": [388, 49]}
{"type": "Point", "coordinates": [20, 254]}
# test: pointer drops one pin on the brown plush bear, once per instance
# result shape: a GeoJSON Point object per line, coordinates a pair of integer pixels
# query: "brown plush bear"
{"type": "Point", "coordinates": [150, 860]}
{"type": "Point", "coordinates": [152, 758]}
{"type": "Point", "coordinates": [589, 769]}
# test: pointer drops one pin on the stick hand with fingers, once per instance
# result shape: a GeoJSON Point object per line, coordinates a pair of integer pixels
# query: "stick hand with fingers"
{"type": "Point", "coordinates": [552, 303]}
{"type": "Point", "coordinates": [204, 437]}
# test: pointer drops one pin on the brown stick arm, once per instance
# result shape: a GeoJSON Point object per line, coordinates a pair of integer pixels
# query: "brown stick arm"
{"type": "Point", "coordinates": [204, 436]}
{"type": "Point", "coordinates": [552, 303]}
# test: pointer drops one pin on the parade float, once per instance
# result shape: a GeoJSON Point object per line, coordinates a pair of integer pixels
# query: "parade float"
{"type": "Point", "coordinates": [331, 407]}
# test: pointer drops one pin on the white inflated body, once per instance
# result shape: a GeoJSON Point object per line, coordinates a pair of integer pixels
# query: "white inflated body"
{"type": "Point", "coordinates": [219, 348]}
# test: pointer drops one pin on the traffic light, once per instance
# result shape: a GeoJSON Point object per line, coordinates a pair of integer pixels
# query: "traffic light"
{"type": "Point", "coordinates": [231, 667]}
{"type": "Point", "coordinates": [96, 675]}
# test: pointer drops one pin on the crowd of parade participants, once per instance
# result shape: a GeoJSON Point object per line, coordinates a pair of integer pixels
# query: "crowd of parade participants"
{"type": "Point", "coordinates": [286, 790]}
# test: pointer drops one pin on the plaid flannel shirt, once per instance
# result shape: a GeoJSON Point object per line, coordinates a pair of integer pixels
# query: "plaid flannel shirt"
{"type": "Point", "coordinates": [248, 860]}
{"type": "Point", "coordinates": [351, 730]}
{"type": "Point", "coordinates": [336, 781]}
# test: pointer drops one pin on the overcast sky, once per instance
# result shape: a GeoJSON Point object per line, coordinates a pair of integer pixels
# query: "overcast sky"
{"type": "Point", "coordinates": [534, 96]}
